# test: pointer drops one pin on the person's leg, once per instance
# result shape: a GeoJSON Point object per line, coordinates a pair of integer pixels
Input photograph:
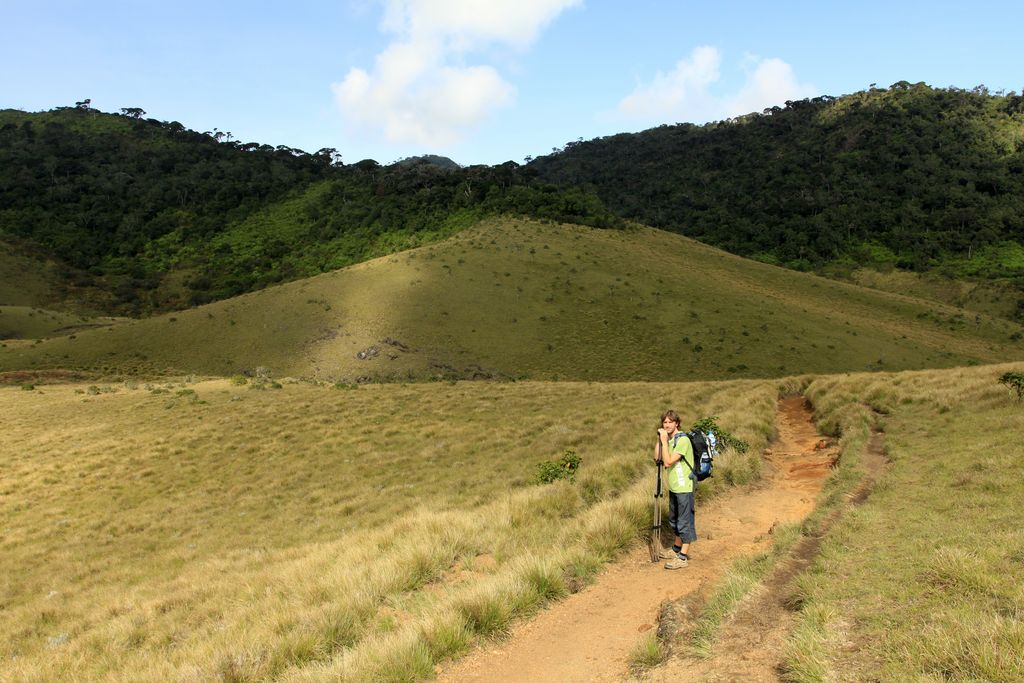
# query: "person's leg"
{"type": "Point", "coordinates": [673, 519]}
{"type": "Point", "coordinates": [687, 528]}
{"type": "Point", "coordinates": [673, 514]}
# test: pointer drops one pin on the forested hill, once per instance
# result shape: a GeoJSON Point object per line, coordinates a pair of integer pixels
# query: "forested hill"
{"type": "Point", "coordinates": [164, 217]}
{"type": "Point", "coordinates": [912, 176]}
{"type": "Point", "coordinates": [84, 183]}
{"type": "Point", "coordinates": [160, 217]}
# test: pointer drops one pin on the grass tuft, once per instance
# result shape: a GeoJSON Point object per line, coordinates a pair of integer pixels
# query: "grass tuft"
{"type": "Point", "coordinates": [647, 653]}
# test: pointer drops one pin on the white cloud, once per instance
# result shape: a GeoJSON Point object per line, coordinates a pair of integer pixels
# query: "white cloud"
{"type": "Point", "coordinates": [469, 23]}
{"type": "Point", "coordinates": [685, 93]}
{"type": "Point", "coordinates": [771, 83]}
{"type": "Point", "coordinates": [682, 89]}
{"type": "Point", "coordinates": [420, 90]}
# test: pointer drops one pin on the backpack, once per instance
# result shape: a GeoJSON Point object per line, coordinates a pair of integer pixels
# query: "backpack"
{"type": "Point", "coordinates": [705, 448]}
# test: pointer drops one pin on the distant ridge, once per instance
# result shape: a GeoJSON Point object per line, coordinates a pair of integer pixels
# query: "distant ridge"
{"type": "Point", "coordinates": [433, 159]}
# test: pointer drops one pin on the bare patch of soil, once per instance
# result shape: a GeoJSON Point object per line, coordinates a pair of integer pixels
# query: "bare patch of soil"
{"type": "Point", "coordinates": [589, 635]}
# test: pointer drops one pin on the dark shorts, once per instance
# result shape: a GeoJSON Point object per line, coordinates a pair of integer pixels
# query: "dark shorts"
{"type": "Point", "coordinates": [680, 516]}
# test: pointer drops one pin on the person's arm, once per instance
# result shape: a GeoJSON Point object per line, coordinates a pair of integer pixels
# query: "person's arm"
{"type": "Point", "coordinates": [668, 455]}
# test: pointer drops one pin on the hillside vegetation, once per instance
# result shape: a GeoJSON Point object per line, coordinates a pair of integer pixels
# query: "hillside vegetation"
{"type": "Point", "coordinates": [163, 217]}
{"type": "Point", "coordinates": [26, 322]}
{"type": "Point", "coordinates": [518, 299]}
{"type": "Point", "coordinates": [917, 177]}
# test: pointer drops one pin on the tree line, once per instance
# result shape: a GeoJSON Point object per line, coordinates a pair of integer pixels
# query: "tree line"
{"type": "Point", "coordinates": [122, 200]}
{"type": "Point", "coordinates": [910, 176]}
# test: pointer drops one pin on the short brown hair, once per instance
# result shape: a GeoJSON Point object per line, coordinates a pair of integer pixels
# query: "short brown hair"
{"type": "Point", "coordinates": [672, 415]}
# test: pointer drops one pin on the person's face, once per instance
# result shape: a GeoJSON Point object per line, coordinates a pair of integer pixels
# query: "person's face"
{"type": "Point", "coordinates": [670, 425]}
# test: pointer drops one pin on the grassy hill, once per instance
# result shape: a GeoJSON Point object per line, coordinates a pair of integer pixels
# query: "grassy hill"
{"type": "Point", "coordinates": [26, 281]}
{"type": "Point", "coordinates": [161, 217]}
{"type": "Point", "coordinates": [999, 299]}
{"type": "Point", "coordinates": [518, 299]}
{"type": "Point", "coordinates": [27, 322]}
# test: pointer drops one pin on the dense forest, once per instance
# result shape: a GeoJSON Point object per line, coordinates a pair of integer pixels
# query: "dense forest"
{"type": "Point", "coordinates": [123, 201]}
{"type": "Point", "coordinates": [164, 217]}
{"type": "Point", "coordinates": [909, 176]}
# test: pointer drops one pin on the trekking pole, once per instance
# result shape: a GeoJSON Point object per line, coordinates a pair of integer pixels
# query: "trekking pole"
{"type": "Point", "coordinates": [655, 540]}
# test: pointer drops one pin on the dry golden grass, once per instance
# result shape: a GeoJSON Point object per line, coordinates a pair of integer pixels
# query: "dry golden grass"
{"type": "Point", "coordinates": [922, 581]}
{"type": "Point", "coordinates": [219, 530]}
{"type": "Point", "coordinates": [213, 531]}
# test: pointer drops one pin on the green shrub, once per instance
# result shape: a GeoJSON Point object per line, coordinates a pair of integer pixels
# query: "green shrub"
{"type": "Point", "coordinates": [1015, 382]}
{"type": "Point", "coordinates": [549, 471]}
{"type": "Point", "coordinates": [725, 439]}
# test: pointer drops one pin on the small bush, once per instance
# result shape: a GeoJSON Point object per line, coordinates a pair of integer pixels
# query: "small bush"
{"type": "Point", "coordinates": [28, 387]}
{"type": "Point", "coordinates": [549, 471]}
{"type": "Point", "coordinates": [725, 439]}
{"type": "Point", "coordinates": [1015, 382]}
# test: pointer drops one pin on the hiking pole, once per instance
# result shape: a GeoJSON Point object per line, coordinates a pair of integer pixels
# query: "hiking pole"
{"type": "Point", "coordinates": [655, 540]}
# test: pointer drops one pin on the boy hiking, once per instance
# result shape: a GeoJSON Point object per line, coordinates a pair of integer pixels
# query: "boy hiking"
{"type": "Point", "coordinates": [677, 455]}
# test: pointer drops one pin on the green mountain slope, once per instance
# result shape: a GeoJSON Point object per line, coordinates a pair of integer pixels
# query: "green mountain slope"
{"type": "Point", "coordinates": [513, 298]}
{"type": "Point", "coordinates": [911, 176]}
{"type": "Point", "coordinates": [160, 217]}
{"type": "Point", "coordinates": [163, 217]}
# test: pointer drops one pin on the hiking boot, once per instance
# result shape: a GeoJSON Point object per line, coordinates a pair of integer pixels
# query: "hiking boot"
{"type": "Point", "coordinates": [677, 563]}
{"type": "Point", "coordinates": [668, 554]}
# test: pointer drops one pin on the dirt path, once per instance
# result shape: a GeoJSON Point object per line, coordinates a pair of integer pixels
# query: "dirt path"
{"type": "Point", "coordinates": [588, 636]}
{"type": "Point", "coordinates": [749, 647]}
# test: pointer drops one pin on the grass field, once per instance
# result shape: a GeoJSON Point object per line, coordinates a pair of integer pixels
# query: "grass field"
{"type": "Point", "coordinates": [220, 530]}
{"type": "Point", "coordinates": [518, 299]}
{"type": "Point", "coordinates": [297, 520]}
{"type": "Point", "coordinates": [215, 530]}
{"type": "Point", "coordinates": [923, 581]}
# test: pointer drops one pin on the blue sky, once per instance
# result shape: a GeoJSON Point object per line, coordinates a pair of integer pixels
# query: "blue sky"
{"type": "Point", "coordinates": [482, 81]}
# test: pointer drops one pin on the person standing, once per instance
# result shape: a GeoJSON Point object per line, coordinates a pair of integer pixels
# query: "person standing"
{"type": "Point", "coordinates": [677, 456]}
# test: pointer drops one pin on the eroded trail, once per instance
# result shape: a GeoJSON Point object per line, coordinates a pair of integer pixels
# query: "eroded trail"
{"type": "Point", "coordinates": [749, 648]}
{"type": "Point", "coordinates": [588, 636]}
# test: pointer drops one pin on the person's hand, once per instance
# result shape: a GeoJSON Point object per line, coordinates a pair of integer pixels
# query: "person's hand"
{"type": "Point", "coordinates": [662, 434]}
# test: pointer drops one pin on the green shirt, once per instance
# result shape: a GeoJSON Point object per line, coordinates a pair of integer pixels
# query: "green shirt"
{"type": "Point", "coordinates": [679, 475]}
